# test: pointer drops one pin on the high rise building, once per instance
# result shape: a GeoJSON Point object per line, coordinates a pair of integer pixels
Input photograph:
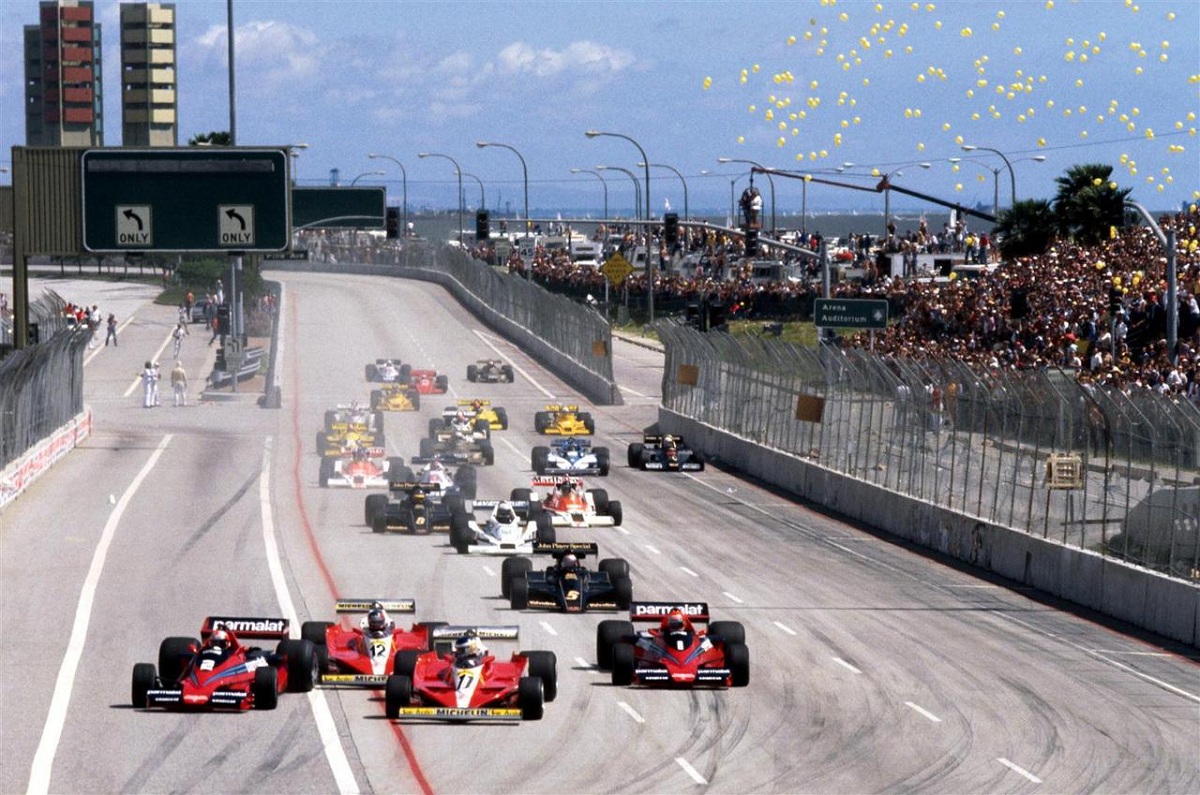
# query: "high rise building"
{"type": "Point", "coordinates": [148, 87]}
{"type": "Point", "coordinates": [63, 97]}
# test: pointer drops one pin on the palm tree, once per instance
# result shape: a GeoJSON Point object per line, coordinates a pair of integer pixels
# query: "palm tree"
{"type": "Point", "coordinates": [1088, 203]}
{"type": "Point", "coordinates": [1025, 229]}
{"type": "Point", "coordinates": [210, 139]}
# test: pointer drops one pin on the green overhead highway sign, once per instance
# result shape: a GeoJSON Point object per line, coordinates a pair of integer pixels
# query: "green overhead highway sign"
{"type": "Point", "coordinates": [850, 313]}
{"type": "Point", "coordinates": [226, 199]}
{"type": "Point", "coordinates": [339, 208]}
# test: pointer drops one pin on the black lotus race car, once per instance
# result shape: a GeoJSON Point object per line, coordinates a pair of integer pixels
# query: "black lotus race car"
{"type": "Point", "coordinates": [489, 371]}
{"type": "Point", "coordinates": [567, 585]}
{"type": "Point", "coordinates": [664, 454]}
{"type": "Point", "coordinates": [411, 506]}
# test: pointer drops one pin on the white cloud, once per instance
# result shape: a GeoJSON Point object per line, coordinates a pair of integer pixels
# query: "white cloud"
{"type": "Point", "coordinates": [581, 56]}
{"type": "Point", "coordinates": [268, 53]}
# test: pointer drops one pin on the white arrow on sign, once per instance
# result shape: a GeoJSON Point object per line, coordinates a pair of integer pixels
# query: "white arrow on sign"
{"type": "Point", "coordinates": [235, 223]}
{"type": "Point", "coordinates": [133, 225]}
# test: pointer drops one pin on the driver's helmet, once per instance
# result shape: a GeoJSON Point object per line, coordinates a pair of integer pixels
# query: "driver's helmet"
{"type": "Point", "coordinates": [477, 406]}
{"type": "Point", "coordinates": [436, 466]}
{"type": "Point", "coordinates": [504, 513]}
{"type": "Point", "coordinates": [378, 624]}
{"type": "Point", "coordinates": [569, 562]}
{"type": "Point", "coordinates": [469, 651]}
{"type": "Point", "coordinates": [565, 488]}
{"type": "Point", "coordinates": [676, 630]}
{"type": "Point", "coordinates": [219, 640]}
{"type": "Point", "coordinates": [460, 416]}
{"type": "Point", "coordinates": [573, 446]}
{"type": "Point", "coordinates": [669, 448]}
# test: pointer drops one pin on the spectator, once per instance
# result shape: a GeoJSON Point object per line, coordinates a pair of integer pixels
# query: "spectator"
{"type": "Point", "coordinates": [179, 383]}
{"type": "Point", "coordinates": [112, 330]}
{"type": "Point", "coordinates": [149, 377]}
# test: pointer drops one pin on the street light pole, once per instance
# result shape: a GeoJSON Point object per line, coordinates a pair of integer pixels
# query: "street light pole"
{"type": "Point", "coordinates": [681, 179]}
{"type": "Point", "coordinates": [603, 182]}
{"type": "Point", "coordinates": [770, 181]}
{"type": "Point", "coordinates": [354, 181]}
{"type": "Point", "coordinates": [482, 198]}
{"type": "Point", "coordinates": [524, 174]}
{"type": "Point", "coordinates": [996, 175]}
{"type": "Point", "coordinates": [637, 189]}
{"type": "Point", "coordinates": [646, 165]}
{"type": "Point", "coordinates": [404, 184]}
{"type": "Point", "coordinates": [458, 171]}
{"type": "Point", "coordinates": [887, 196]}
{"type": "Point", "coordinates": [1012, 176]}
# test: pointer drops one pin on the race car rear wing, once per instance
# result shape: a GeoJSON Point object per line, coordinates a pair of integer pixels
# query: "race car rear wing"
{"type": "Point", "coordinates": [472, 401]}
{"type": "Point", "coordinates": [560, 548]}
{"type": "Point", "coordinates": [653, 611]}
{"type": "Point", "coordinates": [560, 407]}
{"type": "Point", "coordinates": [555, 480]}
{"type": "Point", "coordinates": [656, 439]}
{"type": "Point", "coordinates": [442, 638]}
{"type": "Point", "coordinates": [414, 485]}
{"type": "Point", "coordinates": [479, 505]}
{"type": "Point", "coordinates": [246, 627]}
{"type": "Point", "coordinates": [364, 605]}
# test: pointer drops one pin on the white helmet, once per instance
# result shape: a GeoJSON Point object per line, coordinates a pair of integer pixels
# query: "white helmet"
{"type": "Point", "coordinates": [504, 513]}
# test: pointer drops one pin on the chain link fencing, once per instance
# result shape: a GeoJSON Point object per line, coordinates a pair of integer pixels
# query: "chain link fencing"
{"type": "Point", "coordinates": [1112, 472]}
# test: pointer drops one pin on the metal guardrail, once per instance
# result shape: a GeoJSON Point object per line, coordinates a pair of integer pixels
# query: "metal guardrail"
{"type": "Point", "coordinates": [981, 443]}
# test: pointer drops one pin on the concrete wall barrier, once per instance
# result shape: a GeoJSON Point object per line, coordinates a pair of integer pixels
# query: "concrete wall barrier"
{"type": "Point", "coordinates": [1141, 597]}
{"type": "Point", "coordinates": [37, 460]}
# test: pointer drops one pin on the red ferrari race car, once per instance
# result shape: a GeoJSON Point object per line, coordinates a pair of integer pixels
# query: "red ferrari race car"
{"type": "Point", "coordinates": [218, 672]}
{"type": "Point", "coordinates": [461, 680]}
{"type": "Point", "coordinates": [676, 653]}
{"type": "Point", "coordinates": [366, 654]}
{"type": "Point", "coordinates": [359, 467]}
{"type": "Point", "coordinates": [428, 382]}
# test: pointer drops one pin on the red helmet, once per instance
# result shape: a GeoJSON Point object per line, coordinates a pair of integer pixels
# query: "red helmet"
{"type": "Point", "coordinates": [674, 621]}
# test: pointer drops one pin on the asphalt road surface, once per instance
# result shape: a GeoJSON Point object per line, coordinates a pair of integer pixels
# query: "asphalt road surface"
{"type": "Point", "coordinates": [874, 668]}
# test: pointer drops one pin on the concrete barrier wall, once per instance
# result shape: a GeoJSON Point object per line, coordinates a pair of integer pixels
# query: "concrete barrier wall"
{"type": "Point", "coordinates": [37, 460]}
{"type": "Point", "coordinates": [594, 387]}
{"type": "Point", "coordinates": [1143, 598]}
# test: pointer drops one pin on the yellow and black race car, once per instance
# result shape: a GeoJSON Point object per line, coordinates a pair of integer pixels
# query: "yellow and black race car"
{"type": "Point", "coordinates": [477, 409]}
{"type": "Point", "coordinates": [347, 425]}
{"type": "Point", "coordinates": [559, 420]}
{"type": "Point", "coordinates": [395, 397]}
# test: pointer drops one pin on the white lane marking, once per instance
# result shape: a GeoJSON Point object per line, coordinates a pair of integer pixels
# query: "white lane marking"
{"type": "Point", "coordinates": [636, 393]}
{"type": "Point", "coordinates": [691, 771]}
{"type": "Point", "coordinates": [623, 530]}
{"type": "Point", "coordinates": [785, 628]}
{"type": "Point", "coordinates": [734, 598]}
{"type": "Point", "coordinates": [56, 716]}
{"type": "Point", "coordinates": [846, 665]}
{"type": "Point", "coordinates": [1134, 653]}
{"type": "Point", "coordinates": [632, 712]}
{"type": "Point", "coordinates": [96, 352]}
{"type": "Point", "coordinates": [546, 626]}
{"type": "Point", "coordinates": [533, 381]}
{"type": "Point", "coordinates": [923, 711]}
{"type": "Point", "coordinates": [585, 664]}
{"type": "Point", "coordinates": [511, 446]}
{"type": "Point", "coordinates": [335, 754]}
{"type": "Point", "coordinates": [488, 571]}
{"type": "Point", "coordinates": [155, 358]}
{"type": "Point", "coordinates": [686, 570]}
{"type": "Point", "coordinates": [652, 549]}
{"type": "Point", "coordinates": [1017, 769]}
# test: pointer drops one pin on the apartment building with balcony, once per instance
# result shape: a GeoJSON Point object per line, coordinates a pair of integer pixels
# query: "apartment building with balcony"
{"type": "Point", "coordinates": [63, 85]}
{"type": "Point", "coordinates": [149, 105]}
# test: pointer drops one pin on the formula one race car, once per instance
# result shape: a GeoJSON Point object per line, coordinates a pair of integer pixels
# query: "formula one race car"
{"type": "Point", "coordinates": [395, 397]}
{"type": "Point", "coordinates": [463, 681]}
{"type": "Point", "coordinates": [414, 507]}
{"type": "Point", "coordinates": [463, 421]}
{"type": "Point", "coordinates": [218, 672]}
{"type": "Point", "coordinates": [675, 653]}
{"type": "Point", "coordinates": [559, 420]}
{"type": "Point", "coordinates": [428, 382]}
{"type": "Point", "coordinates": [569, 504]}
{"type": "Point", "coordinates": [349, 424]}
{"type": "Point", "coordinates": [511, 528]}
{"type": "Point", "coordinates": [570, 456]}
{"type": "Point", "coordinates": [454, 445]}
{"type": "Point", "coordinates": [476, 409]}
{"type": "Point", "coordinates": [366, 654]}
{"type": "Point", "coordinates": [388, 371]}
{"type": "Point", "coordinates": [489, 371]}
{"type": "Point", "coordinates": [359, 468]}
{"type": "Point", "coordinates": [567, 585]}
{"type": "Point", "coordinates": [665, 454]}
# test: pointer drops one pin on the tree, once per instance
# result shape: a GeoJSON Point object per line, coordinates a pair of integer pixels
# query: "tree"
{"type": "Point", "coordinates": [210, 139]}
{"type": "Point", "coordinates": [1088, 203]}
{"type": "Point", "coordinates": [1025, 229]}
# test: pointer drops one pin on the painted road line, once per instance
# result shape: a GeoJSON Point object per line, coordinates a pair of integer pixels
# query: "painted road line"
{"type": "Point", "coordinates": [1018, 769]}
{"type": "Point", "coordinates": [732, 597]}
{"type": "Point", "coordinates": [691, 771]}
{"type": "Point", "coordinates": [43, 759]}
{"type": "Point", "coordinates": [546, 626]}
{"type": "Point", "coordinates": [623, 530]}
{"type": "Point", "coordinates": [488, 570]}
{"type": "Point", "coordinates": [586, 665]}
{"type": "Point", "coordinates": [633, 713]}
{"type": "Point", "coordinates": [785, 628]}
{"type": "Point", "coordinates": [652, 549]}
{"type": "Point", "coordinates": [516, 367]}
{"type": "Point", "coordinates": [156, 357]}
{"type": "Point", "coordinates": [686, 570]}
{"type": "Point", "coordinates": [846, 665]}
{"type": "Point", "coordinates": [923, 711]}
{"type": "Point", "coordinates": [335, 754]}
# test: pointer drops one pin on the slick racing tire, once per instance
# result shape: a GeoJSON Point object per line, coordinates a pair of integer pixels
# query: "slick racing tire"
{"type": "Point", "coordinates": [634, 456]}
{"type": "Point", "coordinates": [502, 417]}
{"type": "Point", "coordinates": [370, 372]}
{"type": "Point", "coordinates": [483, 428]}
{"type": "Point", "coordinates": [615, 568]}
{"type": "Point", "coordinates": [737, 658]}
{"type": "Point", "coordinates": [608, 634]}
{"type": "Point", "coordinates": [435, 425]}
{"type": "Point", "coordinates": [315, 633]}
{"type": "Point", "coordinates": [415, 397]}
{"type": "Point", "coordinates": [615, 511]}
{"type": "Point", "coordinates": [325, 473]}
{"type": "Point", "coordinates": [600, 501]}
{"type": "Point", "coordinates": [405, 661]}
{"type": "Point", "coordinates": [397, 695]}
{"type": "Point", "coordinates": [456, 504]}
{"type": "Point", "coordinates": [265, 689]}
{"type": "Point", "coordinates": [522, 495]}
{"type": "Point", "coordinates": [376, 398]}
{"type": "Point", "coordinates": [545, 533]}
{"type": "Point", "coordinates": [512, 569]}
{"type": "Point", "coordinates": [375, 505]}
{"type": "Point", "coordinates": [507, 372]}
{"type": "Point", "coordinates": [544, 665]}
{"type": "Point", "coordinates": [623, 593]}
{"type": "Point", "coordinates": [698, 459]}
{"type": "Point", "coordinates": [466, 477]}
{"type": "Point", "coordinates": [531, 698]}
{"type": "Point", "coordinates": [539, 460]}
{"type": "Point", "coordinates": [589, 425]}
{"type": "Point", "coordinates": [472, 373]}
{"type": "Point", "coordinates": [379, 523]}
{"type": "Point", "coordinates": [518, 593]}
{"type": "Point", "coordinates": [602, 460]}
{"type": "Point", "coordinates": [322, 443]}
{"type": "Point", "coordinates": [426, 448]}
{"type": "Point", "coordinates": [489, 452]}
{"type": "Point", "coordinates": [173, 656]}
{"type": "Point", "coordinates": [728, 631]}
{"type": "Point", "coordinates": [330, 419]}
{"type": "Point", "coordinates": [541, 420]}
{"type": "Point", "coordinates": [623, 663]}
{"type": "Point", "coordinates": [460, 533]}
{"type": "Point", "coordinates": [303, 669]}
{"type": "Point", "coordinates": [144, 680]}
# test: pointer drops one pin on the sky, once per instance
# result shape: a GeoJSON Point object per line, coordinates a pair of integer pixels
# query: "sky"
{"type": "Point", "coordinates": [804, 85]}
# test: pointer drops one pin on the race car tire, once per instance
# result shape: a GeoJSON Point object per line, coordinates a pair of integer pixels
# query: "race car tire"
{"type": "Point", "coordinates": [522, 495]}
{"type": "Point", "coordinates": [615, 511]}
{"type": "Point", "coordinates": [375, 505]}
{"type": "Point", "coordinates": [589, 424]}
{"type": "Point", "coordinates": [460, 533]}
{"type": "Point", "coordinates": [466, 477]}
{"type": "Point", "coordinates": [322, 443]}
{"type": "Point", "coordinates": [512, 569]}
{"type": "Point", "coordinates": [539, 459]}
{"type": "Point", "coordinates": [544, 665]}
{"type": "Point", "coordinates": [405, 662]}
{"type": "Point", "coordinates": [507, 372]}
{"type": "Point", "coordinates": [502, 418]}
{"type": "Point", "coordinates": [315, 633]}
{"type": "Point", "coordinates": [456, 505]}
{"type": "Point", "coordinates": [623, 593]}
{"type": "Point", "coordinates": [602, 460]}
{"type": "Point", "coordinates": [426, 448]}
{"type": "Point", "coordinates": [379, 523]}
{"type": "Point", "coordinates": [472, 373]}
{"type": "Point", "coordinates": [371, 372]}
{"type": "Point", "coordinates": [435, 425]}
{"type": "Point", "coordinates": [623, 662]}
{"type": "Point", "coordinates": [545, 533]}
{"type": "Point", "coordinates": [484, 427]}
{"type": "Point", "coordinates": [405, 474]}
{"type": "Point", "coordinates": [531, 698]}
{"type": "Point", "coordinates": [729, 632]}
{"type": "Point", "coordinates": [541, 420]}
{"type": "Point", "coordinates": [405, 372]}
{"type": "Point", "coordinates": [442, 383]}
{"type": "Point", "coordinates": [395, 464]}
{"type": "Point", "coordinates": [330, 419]}
{"type": "Point", "coordinates": [302, 664]}
{"type": "Point", "coordinates": [265, 688]}
{"type": "Point", "coordinates": [600, 500]}
{"type": "Point", "coordinates": [415, 397]}
{"type": "Point", "coordinates": [615, 568]}
{"type": "Point", "coordinates": [430, 626]}
{"type": "Point", "coordinates": [518, 593]}
{"type": "Point", "coordinates": [634, 456]}
{"type": "Point", "coordinates": [325, 472]}
{"type": "Point", "coordinates": [397, 694]}
{"type": "Point", "coordinates": [608, 634]}
{"type": "Point", "coordinates": [376, 398]}
{"type": "Point", "coordinates": [379, 428]}
{"type": "Point", "coordinates": [699, 459]}
{"type": "Point", "coordinates": [737, 659]}
{"type": "Point", "coordinates": [489, 452]}
{"type": "Point", "coordinates": [173, 655]}
{"type": "Point", "coordinates": [144, 680]}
